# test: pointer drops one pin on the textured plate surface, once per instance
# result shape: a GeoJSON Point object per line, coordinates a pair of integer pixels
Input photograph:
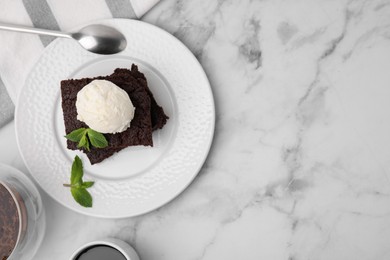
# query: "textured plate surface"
{"type": "Point", "coordinates": [137, 179]}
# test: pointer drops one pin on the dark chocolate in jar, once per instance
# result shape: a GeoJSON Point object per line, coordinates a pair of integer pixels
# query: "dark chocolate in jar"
{"type": "Point", "coordinates": [10, 221]}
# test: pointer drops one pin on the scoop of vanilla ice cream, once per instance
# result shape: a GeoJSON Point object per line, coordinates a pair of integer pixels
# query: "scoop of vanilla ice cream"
{"type": "Point", "coordinates": [104, 107]}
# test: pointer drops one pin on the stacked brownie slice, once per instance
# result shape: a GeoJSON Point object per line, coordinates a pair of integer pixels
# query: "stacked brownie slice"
{"type": "Point", "coordinates": [149, 116]}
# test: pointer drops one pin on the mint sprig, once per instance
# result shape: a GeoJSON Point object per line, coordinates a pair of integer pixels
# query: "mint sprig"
{"type": "Point", "coordinates": [82, 196]}
{"type": "Point", "coordinates": [78, 187]}
{"type": "Point", "coordinates": [85, 137]}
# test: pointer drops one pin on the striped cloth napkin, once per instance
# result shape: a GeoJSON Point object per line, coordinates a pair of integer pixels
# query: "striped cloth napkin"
{"type": "Point", "coordinates": [19, 52]}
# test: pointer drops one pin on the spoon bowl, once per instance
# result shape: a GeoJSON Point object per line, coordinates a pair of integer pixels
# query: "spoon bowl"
{"type": "Point", "coordinates": [100, 39]}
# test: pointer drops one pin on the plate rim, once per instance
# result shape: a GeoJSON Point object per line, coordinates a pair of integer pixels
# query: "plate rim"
{"type": "Point", "coordinates": [201, 161]}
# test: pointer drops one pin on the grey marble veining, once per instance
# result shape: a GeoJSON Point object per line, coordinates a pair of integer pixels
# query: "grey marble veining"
{"type": "Point", "coordinates": [299, 167]}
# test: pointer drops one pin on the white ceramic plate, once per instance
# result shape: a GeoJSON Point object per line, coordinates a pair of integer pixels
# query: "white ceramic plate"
{"type": "Point", "coordinates": [137, 179]}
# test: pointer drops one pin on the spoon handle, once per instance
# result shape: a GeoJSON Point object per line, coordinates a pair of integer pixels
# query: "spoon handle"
{"type": "Point", "coordinates": [26, 29]}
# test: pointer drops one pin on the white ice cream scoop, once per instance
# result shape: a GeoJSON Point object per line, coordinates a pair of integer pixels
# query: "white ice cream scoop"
{"type": "Point", "coordinates": [104, 107]}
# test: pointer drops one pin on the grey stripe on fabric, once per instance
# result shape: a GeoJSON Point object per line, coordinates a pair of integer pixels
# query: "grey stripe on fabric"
{"type": "Point", "coordinates": [41, 17]}
{"type": "Point", "coordinates": [121, 8]}
{"type": "Point", "coordinates": [6, 106]}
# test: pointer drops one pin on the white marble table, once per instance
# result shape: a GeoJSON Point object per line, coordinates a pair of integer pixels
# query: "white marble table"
{"type": "Point", "coordinates": [300, 164]}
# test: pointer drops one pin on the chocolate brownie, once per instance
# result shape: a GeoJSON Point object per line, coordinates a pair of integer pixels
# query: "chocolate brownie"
{"type": "Point", "coordinates": [140, 130]}
{"type": "Point", "coordinates": [159, 119]}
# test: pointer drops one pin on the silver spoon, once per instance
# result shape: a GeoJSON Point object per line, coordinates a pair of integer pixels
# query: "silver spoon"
{"type": "Point", "coordinates": [96, 38]}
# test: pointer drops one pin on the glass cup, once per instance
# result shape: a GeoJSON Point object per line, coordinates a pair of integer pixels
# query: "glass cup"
{"type": "Point", "coordinates": [22, 216]}
{"type": "Point", "coordinates": [122, 247]}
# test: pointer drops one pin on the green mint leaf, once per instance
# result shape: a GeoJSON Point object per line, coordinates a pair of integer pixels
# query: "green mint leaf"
{"type": "Point", "coordinates": [87, 184]}
{"type": "Point", "coordinates": [82, 197]}
{"type": "Point", "coordinates": [87, 144]}
{"type": "Point", "coordinates": [76, 135]}
{"type": "Point", "coordinates": [84, 142]}
{"type": "Point", "coordinates": [97, 139]}
{"type": "Point", "coordinates": [78, 188]}
{"type": "Point", "coordinates": [77, 173]}
{"type": "Point", "coordinates": [85, 137]}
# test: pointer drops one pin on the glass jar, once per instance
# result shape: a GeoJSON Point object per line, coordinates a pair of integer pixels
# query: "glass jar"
{"type": "Point", "coordinates": [22, 216]}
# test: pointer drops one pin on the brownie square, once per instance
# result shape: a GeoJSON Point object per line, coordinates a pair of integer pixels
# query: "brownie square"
{"type": "Point", "coordinates": [148, 115]}
{"type": "Point", "coordinates": [159, 119]}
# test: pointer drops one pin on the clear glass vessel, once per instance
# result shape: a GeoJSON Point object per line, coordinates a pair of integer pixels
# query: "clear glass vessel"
{"type": "Point", "coordinates": [30, 212]}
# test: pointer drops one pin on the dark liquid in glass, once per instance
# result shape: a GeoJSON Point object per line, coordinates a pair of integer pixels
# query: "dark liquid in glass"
{"type": "Point", "coordinates": [100, 252]}
{"type": "Point", "coordinates": [9, 223]}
